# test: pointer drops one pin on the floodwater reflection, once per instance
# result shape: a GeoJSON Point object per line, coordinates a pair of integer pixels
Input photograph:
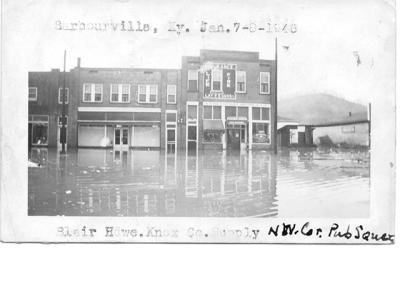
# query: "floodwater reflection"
{"type": "Point", "coordinates": [294, 183]}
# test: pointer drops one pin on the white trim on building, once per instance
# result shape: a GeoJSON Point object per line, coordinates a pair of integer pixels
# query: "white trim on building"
{"type": "Point", "coordinates": [118, 109]}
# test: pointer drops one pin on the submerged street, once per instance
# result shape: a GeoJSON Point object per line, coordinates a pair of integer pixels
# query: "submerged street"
{"type": "Point", "coordinates": [294, 183]}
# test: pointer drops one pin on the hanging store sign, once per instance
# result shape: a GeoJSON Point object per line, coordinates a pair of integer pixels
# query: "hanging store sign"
{"type": "Point", "coordinates": [220, 81]}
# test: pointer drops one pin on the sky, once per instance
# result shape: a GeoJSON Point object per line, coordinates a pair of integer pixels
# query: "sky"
{"type": "Point", "coordinates": [344, 48]}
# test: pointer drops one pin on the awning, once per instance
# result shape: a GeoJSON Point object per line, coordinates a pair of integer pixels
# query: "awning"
{"type": "Point", "coordinates": [213, 125]}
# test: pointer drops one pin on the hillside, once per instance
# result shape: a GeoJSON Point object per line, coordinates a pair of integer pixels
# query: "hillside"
{"type": "Point", "coordinates": [320, 108]}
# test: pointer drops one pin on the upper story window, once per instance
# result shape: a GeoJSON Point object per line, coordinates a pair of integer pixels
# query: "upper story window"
{"type": "Point", "coordinates": [32, 93]}
{"type": "Point", "coordinates": [92, 92]}
{"type": "Point", "coordinates": [171, 93]}
{"type": "Point", "coordinates": [61, 94]}
{"type": "Point", "coordinates": [212, 112]}
{"type": "Point", "coordinates": [265, 82]}
{"type": "Point", "coordinates": [216, 79]}
{"type": "Point", "coordinates": [120, 93]}
{"type": "Point", "coordinates": [147, 93]}
{"type": "Point", "coordinates": [260, 113]}
{"type": "Point", "coordinates": [241, 81]}
{"type": "Point", "coordinates": [193, 77]}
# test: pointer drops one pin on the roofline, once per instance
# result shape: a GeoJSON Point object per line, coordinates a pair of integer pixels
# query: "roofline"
{"type": "Point", "coordinates": [127, 68]}
{"type": "Point", "coordinates": [340, 123]}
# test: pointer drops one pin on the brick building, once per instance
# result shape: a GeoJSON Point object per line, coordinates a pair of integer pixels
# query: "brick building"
{"type": "Point", "coordinates": [229, 100]}
{"type": "Point", "coordinates": [218, 100]}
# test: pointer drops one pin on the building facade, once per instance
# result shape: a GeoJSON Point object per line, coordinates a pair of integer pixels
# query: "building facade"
{"type": "Point", "coordinates": [218, 100]}
{"type": "Point", "coordinates": [343, 134]}
{"type": "Point", "coordinates": [291, 133]}
{"type": "Point", "coordinates": [347, 131]}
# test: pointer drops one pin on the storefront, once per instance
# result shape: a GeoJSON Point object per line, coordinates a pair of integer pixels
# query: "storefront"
{"type": "Point", "coordinates": [260, 127]}
{"type": "Point", "coordinates": [213, 127]}
{"type": "Point", "coordinates": [236, 133]}
{"type": "Point", "coordinates": [120, 130]}
{"type": "Point", "coordinates": [235, 126]}
{"type": "Point", "coordinates": [38, 130]}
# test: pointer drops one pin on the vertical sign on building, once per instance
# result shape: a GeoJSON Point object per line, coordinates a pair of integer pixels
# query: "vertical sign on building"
{"type": "Point", "coordinates": [228, 84]}
{"type": "Point", "coordinates": [207, 82]}
{"type": "Point", "coordinates": [229, 81]}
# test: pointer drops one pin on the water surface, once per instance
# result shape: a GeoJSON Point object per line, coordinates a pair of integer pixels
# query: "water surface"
{"type": "Point", "coordinates": [294, 183]}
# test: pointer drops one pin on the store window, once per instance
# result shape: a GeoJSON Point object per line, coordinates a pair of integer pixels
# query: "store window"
{"type": "Point", "coordinates": [261, 133]}
{"type": "Point", "coordinates": [207, 112]}
{"type": "Point", "coordinates": [193, 77]}
{"type": "Point", "coordinates": [241, 81]}
{"type": "Point", "coordinates": [40, 134]}
{"type": "Point", "coordinates": [212, 136]}
{"type": "Point", "coordinates": [243, 112]}
{"type": "Point", "coordinates": [212, 112]}
{"type": "Point", "coordinates": [261, 113]}
{"type": "Point", "coordinates": [39, 125]}
{"type": "Point", "coordinates": [230, 111]}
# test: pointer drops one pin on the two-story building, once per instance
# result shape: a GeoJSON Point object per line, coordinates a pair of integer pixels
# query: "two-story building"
{"type": "Point", "coordinates": [218, 100]}
{"type": "Point", "coordinates": [228, 99]}
{"type": "Point", "coordinates": [45, 107]}
{"type": "Point", "coordinates": [127, 108]}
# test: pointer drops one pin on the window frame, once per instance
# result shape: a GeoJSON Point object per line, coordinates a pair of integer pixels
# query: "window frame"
{"type": "Point", "coordinates": [174, 95]}
{"type": "Point", "coordinates": [59, 95]}
{"type": "Point", "coordinates": [262, 122]}
{"type": "Point", "coordinates": [205, 141]}
{"type": "Point", "coordinates": [92, 93]}
{"type": "Point", "coordinates": [39, 121]}
{"type": "Point", "coordinates": [148, 89]}
{"type": "Point", "coordinates": [268, 82]}
{"type": "Point", "coordinates": [36, 93]}
{"type": "Point", "coordinates": [261, 114]}
{"type": "Point", "coordinates": [195, 72]}
{"type": "Point", "coordinates": [245, 80]}
{"type": "Point", "coordinates": [120, 90]}
{"type": "Point", "coordinates": [212, 112]}
{"type": "Point", "coordinates": [220, 82]}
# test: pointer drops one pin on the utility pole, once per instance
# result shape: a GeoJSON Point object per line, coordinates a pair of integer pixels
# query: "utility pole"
{"type": "Point", "coordinates": [63, 118]}
{"type": "Point", "coordinates": [275, 144]}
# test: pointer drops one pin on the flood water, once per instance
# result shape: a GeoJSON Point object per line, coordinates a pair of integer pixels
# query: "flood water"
{"type": "Point", "coordinates": [295, 183]}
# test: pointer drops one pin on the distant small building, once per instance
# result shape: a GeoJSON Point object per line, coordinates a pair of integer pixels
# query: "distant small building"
{"type": "Point", "coordinates": [293, 134]}
{"type": "Point", "coordinates": [352, 130]}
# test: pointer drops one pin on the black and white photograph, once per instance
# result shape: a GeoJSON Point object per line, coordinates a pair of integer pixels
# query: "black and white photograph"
{"type": "Point", "coordinates": [228, 122]}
